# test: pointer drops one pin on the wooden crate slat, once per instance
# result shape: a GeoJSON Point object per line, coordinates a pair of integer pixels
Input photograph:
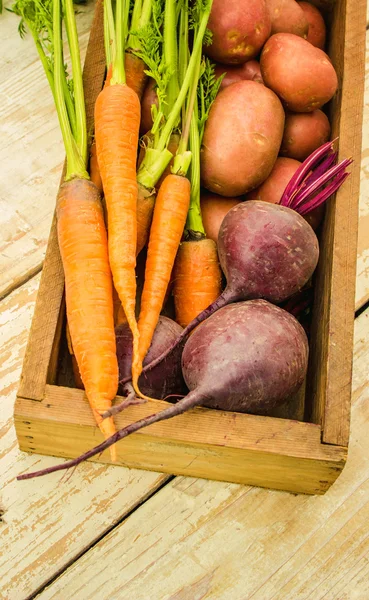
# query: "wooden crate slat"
{"type": "Point", "coordinates": [331, 356]}
{"type": "Point", "coordinates": [276, 453]}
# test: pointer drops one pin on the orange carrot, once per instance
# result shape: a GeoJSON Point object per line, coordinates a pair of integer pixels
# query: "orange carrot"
{"type": "Point", "coordinates": [117, 121]}
{"type": "Point", "coordinates": [83, 242]}
{"type": "Point", "coordinates": [146, 198]}
{"type": "Point", "coordinates": [145, 209]}
{"type": "Point", "coordinates": [169, 218]}
{"type": "Point", "coordinates": [135, 73]}
{"type": "Point", "coordinates": [197, 279]}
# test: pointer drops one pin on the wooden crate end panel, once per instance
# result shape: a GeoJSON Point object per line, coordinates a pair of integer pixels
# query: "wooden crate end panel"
{"type": "Point", "coordinates": [252, 467]}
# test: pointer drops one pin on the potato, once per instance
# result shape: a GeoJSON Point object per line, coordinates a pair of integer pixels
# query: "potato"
{"type": "Point", "coordinates": [213, 210]}
{"type": "Point", "coordinates": [272, 188]}
{"type": "Point", "coordinates": [242, 138]}
{"type": "Point", "coordinates": [249, 70]}
{"type": "Point", "coordinates": [240, 29]}
{"type": "Point", "coordinates": [287, 16]}
{"type": "Point", "coordinates": [304, 133]}
{"type": "Point", "coordinates": [317, 29]}
{"type": "Point", "coordinates": [302, 75]}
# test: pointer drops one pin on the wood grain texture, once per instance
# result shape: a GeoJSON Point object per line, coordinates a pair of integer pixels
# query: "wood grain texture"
{"type": "Point", "coordinates": [362, 280]}
{"type": "Point", "coordinates": [202, 539]}
{"type": "Point", "coordinates": [31, 151]}
{"type": "Point", "coordinates": [46, 524]}
{"type": "Point", "coordinates": [224, 446]}
{"type": "Point", "coordinates": [333, 316]}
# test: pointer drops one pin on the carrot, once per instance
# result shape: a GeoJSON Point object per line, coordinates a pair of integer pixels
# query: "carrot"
{"type": "Point", "coordinates": [197, 274]}
{"type": "Point", "coordinates": [88, 286]}
{"type": "Point", "coordinates": [197, 279]}
{"type": "Point", "coordinates": [146, 198]}
{"type": "Point", "coordinates": [135, 73]}
{"type": "Point", "coordinates": [169, 218]}
{"type": "Point", "coordinates": [117, 121]}
{"type": "Point", "coordinates": [145, 209]}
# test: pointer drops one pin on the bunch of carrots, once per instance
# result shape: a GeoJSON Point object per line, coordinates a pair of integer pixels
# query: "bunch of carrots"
{"type": "Point", "coordinates": [155, 204]}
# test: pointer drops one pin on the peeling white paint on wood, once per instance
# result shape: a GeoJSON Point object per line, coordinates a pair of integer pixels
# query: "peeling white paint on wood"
{"type": "Point", "coordinates": [46, 523]}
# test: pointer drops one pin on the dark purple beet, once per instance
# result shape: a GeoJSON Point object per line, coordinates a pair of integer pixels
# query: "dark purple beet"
{"type": "Point", "coordinates": [266, 251]}
{"type": "Point", "coordinates": [248, 357]}
{"type": "Point", "coordinates": [164, 380]}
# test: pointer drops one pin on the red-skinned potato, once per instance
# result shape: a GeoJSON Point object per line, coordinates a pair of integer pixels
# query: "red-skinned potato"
{"type": "Point", "coordinates": [288, 17]}
{"type": "Point", "coordinates": [242, 138]}
{"type": "Point", "coordinates": [304, 133]}
{"type": "Point", "coordinates": [300, 74]}
{"type": "Point", "coordinates": [240, 29]}
{"type": "Point", "coordinates": [148, 99]}
{"type": "Point", "coordinates": [213, 210]}
{"type": "Point", "coordinates": [317, 29]}
{"type": "Point", "coordinates": [272, 188]}
{"type": "Point", "coordinates": [250, 70]}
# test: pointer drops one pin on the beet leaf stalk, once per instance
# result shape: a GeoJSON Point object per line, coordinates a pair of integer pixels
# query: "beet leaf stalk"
{"type": "Point", "coordinates": [316, 180]}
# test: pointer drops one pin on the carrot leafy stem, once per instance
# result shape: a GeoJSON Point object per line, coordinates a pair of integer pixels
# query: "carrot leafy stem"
{"type": "Point", "coordinates": [43, 18]}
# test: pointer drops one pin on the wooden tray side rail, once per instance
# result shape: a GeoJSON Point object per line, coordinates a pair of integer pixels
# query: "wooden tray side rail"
{"type": "Point", "coordinates": [329, 389]}
{"type": "Point", "coordinates": [280, 453]}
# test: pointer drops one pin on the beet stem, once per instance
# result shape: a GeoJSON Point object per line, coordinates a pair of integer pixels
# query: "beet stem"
{"type": "Point", "coordinates": [303, 171]}
{"type": "Point", "coordinates": [131, 400]}
{"type": "Point", "coordinates": [193, 399]}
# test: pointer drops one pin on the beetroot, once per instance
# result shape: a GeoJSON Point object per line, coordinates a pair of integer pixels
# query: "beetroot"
{"type": "Point", "coordinates": [248, 357]}
{"type": "Point", "coordinates": [163, 380]}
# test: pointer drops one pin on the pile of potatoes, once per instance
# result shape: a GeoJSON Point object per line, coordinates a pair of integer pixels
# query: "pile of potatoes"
{"type": "Point", "coordinates": [267, 117]}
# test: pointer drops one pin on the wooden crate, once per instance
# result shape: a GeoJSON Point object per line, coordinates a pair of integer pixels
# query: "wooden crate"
{"type": "Point", "coordinates": [290, 451]}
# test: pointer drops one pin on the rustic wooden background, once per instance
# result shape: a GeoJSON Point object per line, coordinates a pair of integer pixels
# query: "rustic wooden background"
{"type": "Point", "coordinates": [112, 533]}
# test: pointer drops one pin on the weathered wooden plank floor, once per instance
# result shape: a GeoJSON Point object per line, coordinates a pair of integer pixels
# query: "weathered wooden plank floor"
{"type": "Point", "coordinates": [113, 533]}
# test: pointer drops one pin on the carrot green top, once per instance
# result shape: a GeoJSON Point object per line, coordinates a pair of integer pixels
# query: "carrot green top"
{"type": "Point", "coordinates": [44, 20]}
{"type": "Point", "coordinates": [208, 89]}
{"type": "Point", "coordinates": [175, 77]}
